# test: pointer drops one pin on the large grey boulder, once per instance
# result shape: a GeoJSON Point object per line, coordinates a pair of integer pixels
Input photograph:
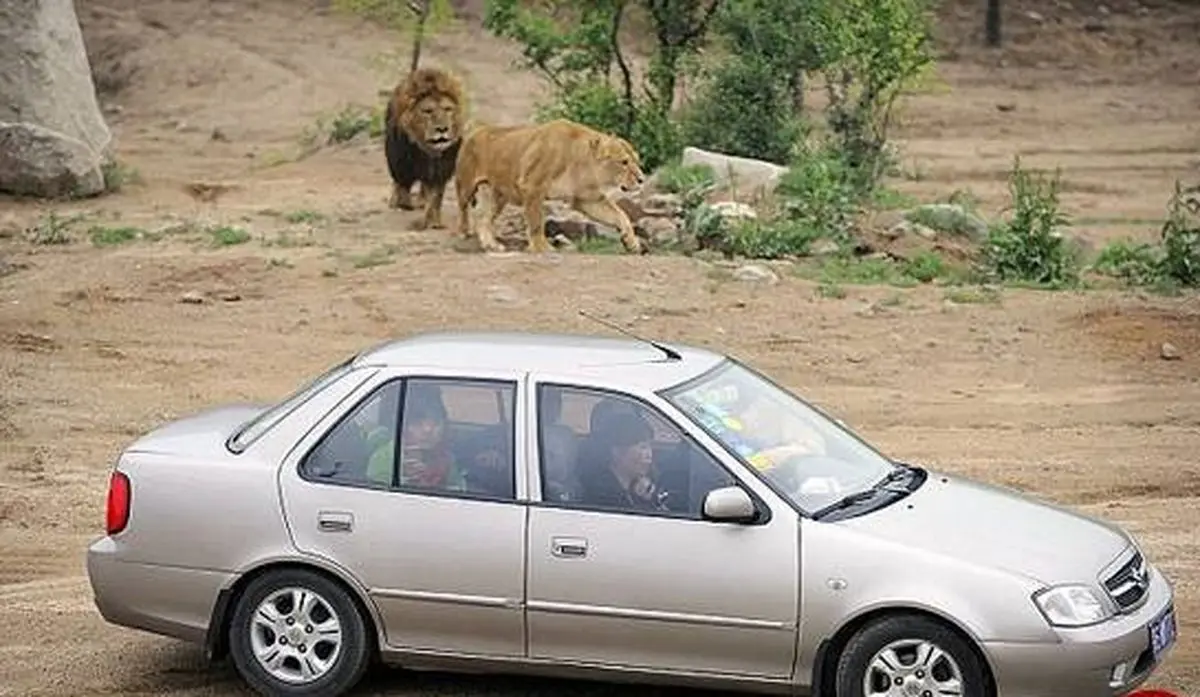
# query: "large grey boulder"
{"type": "Point", "coordinates": [740, 174]}
{"type": "Point", "coordinates": [53, 139]}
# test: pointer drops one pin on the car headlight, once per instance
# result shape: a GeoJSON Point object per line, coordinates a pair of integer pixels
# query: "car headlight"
{"type": "Point", "coordinates": [1071, 606]}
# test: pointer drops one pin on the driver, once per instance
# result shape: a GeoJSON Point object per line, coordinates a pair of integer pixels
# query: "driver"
{"type": "Point", "coordinates": [627, 479]}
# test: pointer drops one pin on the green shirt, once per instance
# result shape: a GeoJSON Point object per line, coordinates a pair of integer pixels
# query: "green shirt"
{"type": "Point", "coordinates": [383, 453]}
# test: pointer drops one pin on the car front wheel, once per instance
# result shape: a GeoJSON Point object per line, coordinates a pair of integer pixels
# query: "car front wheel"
{"type": "Point", "coordinates": [909, 656]}
{"type": "Point", "coordinates": [295, 632]}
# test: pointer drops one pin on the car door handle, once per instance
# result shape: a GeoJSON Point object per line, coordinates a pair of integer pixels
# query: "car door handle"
{"type": "Point", "coordinates": [568, 547]}
{"type": "Point", "coordinates": [335, 521]}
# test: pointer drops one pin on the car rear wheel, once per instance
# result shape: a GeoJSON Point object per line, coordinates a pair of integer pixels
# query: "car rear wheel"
{"type": "Point", "coordinates": [909, 656]}
{"type": "Point", "coordinates": [295, 632]}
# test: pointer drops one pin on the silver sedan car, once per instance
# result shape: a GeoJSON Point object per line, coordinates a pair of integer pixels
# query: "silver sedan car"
{"type": "Point", "coordinates": [608, 508]}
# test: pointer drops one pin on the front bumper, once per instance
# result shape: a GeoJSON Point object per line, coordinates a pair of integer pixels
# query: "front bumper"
{"type": "Point", "coordinates": [1082, 663]}
{"type": "Point", "coordinates": [165, 600]}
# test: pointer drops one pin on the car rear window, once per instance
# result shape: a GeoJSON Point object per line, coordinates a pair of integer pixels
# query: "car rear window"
{"type": "Point", "coordinates": [253, 429]}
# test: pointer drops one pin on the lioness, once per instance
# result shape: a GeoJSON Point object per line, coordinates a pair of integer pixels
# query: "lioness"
{"type": "Point", "coordinates": [563, 160]}
{"type": "Point", "coordinates": [423, 127]}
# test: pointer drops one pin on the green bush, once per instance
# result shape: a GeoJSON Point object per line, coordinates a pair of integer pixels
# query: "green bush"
{"type": "Point", "coordinates": [743, 109]}
{"type": "Point", "coordinates": [1174, 262]}
{"type": "Point", "coordinates": [1029, 247]}
{"type": "Point", "coordinates": [1135, 263]}
{"type": "Point", "coordinates": [772, 239]}
{"type": "Point", "coordinates": [1181, 238]}
{"type": "Point", "coordinates": [817, 198]}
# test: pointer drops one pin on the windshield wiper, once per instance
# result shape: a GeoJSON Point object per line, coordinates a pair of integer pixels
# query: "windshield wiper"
{"type": "Point", "coordinates": [858, 497]}
{"type": "Point", "coordinates": [902, 470]}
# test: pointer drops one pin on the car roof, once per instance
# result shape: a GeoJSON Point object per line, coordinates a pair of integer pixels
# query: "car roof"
{"type": "Point", "coordinates": [628, 361]}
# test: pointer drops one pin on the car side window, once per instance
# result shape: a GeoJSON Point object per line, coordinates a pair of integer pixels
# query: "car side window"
{"type": "Point", "coordinates": [605, 451]}
{"type": "Point", "coordinates": [355, 450]}
{"type": "Point", "coordinates": [455, 436]}
{"type": "Point", "coordinates": [458, 435]}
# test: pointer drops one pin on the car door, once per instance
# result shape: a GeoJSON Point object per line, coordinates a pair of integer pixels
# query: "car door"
{"type": "Point", "coordinates": [664, 592]}
{"type": "Point", "coordinates": [445, 566]}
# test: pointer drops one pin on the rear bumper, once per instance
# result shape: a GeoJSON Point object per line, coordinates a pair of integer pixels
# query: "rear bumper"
{"type": "Point", "coordinates": [165, 600]}
{"type": "Point", "coordinates": [1082, 663]}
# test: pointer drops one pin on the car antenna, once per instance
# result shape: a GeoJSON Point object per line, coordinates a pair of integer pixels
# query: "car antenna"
{"type": "Point", "coordinates": [671, 353]}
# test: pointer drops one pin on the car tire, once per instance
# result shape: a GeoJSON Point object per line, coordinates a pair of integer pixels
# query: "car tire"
{"type": "Point", "coordinates": [300, 607]}
{"type": "Point", "coordinates": [909, 637]}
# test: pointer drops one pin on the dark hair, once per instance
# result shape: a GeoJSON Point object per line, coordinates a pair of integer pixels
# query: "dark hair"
{"type": "Point", "coordinates": [423, 402]}
{"type": "Point", "coordinates": [625, 428]}
{"type": "Point", "coordinates": [605, 410]}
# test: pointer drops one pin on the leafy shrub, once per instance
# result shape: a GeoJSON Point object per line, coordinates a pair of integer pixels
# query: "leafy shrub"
{"type": "Point", "coordinates": [869, 52]}
{"type": "Point", "coordinates": [1174, 262]}
{"type": "Point", "coordinates": [743, 109]}
{"type": "Point", "coordinates": [1135, 263]}
{"type": "Point", "coordinates": [772, 239]}
{"type": "Point", "coordinates": [1029, 247]}
{"type": "Point", "coordinates": [1181, 238]}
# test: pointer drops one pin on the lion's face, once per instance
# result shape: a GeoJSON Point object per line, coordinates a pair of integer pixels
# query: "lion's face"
{"type": "Point", "coordinates": [436, 121]}
{"type": "Point", "coordinates": [620, 162]}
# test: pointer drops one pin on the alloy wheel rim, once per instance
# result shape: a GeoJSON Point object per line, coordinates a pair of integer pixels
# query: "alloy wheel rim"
{"type": "Point", "coordinates": [296, 635]}
{"type": "Point", "coordinates": [912, 668]}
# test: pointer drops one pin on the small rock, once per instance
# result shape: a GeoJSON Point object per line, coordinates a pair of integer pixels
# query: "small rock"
{"type": "Point", "coordinates": [231, 297]}
{"type": "Point", "coordinates": [754, 273]}
{"type": "Point", "coordinates": [502, 294]}
{"type": "Point", "coordinates": [908, 227]}
{"type": "Point", "coordinates": [632, 208]}
{"type": "Point", "coordinates": [218, 135]}
{"type": "Point", "coordinates": [658, 230]}
{"type": "Point", "coordinates": [110, 352]}
{"type": "Point", "coordinates": [823, 248]}
{"type": "Point", "coordinates": [192, 297]}
{"type": "Point", "coordinates": [1006, 107]}
{"type": "Point", "coordinates": [662, 205]}
{"type": "Point", "coordinates": [1035, 16]}
{"type": "Point", "coordinates": [950, 219]}
{"type": "Point", "coordinates": [734, 209]}
{"type": "Point", "coordinates": [570, 228]}
{"type": "Point", "coordinates": [1169, 352]}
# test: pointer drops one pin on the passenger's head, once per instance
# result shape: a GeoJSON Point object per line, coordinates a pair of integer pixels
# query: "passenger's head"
{"type": "Point", "coordinates": [424, 417]}
{"type": "Point", "coordinates": [604, 411]}
{"type": "Point", "coordinates": [628, 439]}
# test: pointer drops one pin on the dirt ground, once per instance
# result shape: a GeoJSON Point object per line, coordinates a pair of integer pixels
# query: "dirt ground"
{"type": "Point", "coordinates": [1063, 394]}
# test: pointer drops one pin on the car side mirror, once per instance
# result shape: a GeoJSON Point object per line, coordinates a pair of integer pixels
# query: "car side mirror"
{"type": "Point", "coordinates": [730, 504]}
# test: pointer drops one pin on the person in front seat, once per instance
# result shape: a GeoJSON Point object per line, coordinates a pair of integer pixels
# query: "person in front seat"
{"type": "Point", "coordinates": [627, 479]}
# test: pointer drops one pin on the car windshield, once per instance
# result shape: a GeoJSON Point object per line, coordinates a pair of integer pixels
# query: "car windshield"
{"type": "Point", "coordinates": [260, 424]}
{"type": "Point", "coordinates": [808, 456]}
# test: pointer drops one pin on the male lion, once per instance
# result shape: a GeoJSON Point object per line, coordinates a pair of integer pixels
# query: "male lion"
{"type": "Point", "coordinates": [563, 160]}
{"type": "Point", "coordinates": [423, 128]}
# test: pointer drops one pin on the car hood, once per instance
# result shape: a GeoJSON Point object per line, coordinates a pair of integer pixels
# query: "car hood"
{"type": "Point", "coordinates": [196, 434]}
{"type": "Point", "coordinates": [999, 528]}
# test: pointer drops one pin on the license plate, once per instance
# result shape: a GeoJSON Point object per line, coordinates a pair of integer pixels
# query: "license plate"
{"type": "Point", "coordinates": [1162, 633]}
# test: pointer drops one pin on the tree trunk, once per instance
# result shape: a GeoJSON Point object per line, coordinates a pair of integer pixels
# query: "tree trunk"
{"type": "Point", "coordinates": [992, 23]}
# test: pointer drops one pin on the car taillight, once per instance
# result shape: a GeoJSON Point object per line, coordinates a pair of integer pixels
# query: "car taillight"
{"type": "Point", "coordinates": [118, 503]}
